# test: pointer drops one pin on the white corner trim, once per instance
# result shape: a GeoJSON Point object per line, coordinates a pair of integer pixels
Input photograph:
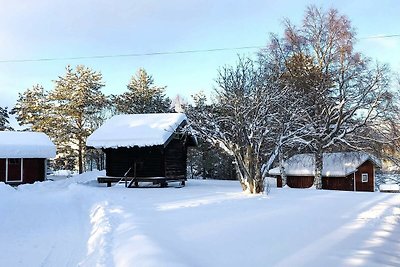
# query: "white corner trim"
{"type": "Point", "coordinates": [6, 169]}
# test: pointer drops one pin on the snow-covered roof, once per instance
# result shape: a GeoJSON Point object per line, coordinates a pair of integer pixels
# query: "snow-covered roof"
{"type": "Point", "coordinates": [26, 145]}
{"type": "Point", "coordinates": [334, 164]}
{"type": "Point", "coordinates": [136, 130]}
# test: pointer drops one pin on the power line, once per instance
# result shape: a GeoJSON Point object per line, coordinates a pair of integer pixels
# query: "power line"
{"type": "Point", "coordinates": [380, 36]}
{"type": "Point", "coordinates": [165, 52]}
{"type": "Point", "coordinates": [132, 55]}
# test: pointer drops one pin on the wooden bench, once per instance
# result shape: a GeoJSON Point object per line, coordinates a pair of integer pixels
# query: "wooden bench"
{"type": "Point", "coordinates": [389, 188]}
{"type": "Point", "coordinates": [134, 181]}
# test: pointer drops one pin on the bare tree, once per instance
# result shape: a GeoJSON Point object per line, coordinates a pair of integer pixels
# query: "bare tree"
{"type": "Point", "coordinates": [248, 98]}
{"type": "Point", "coordinates": [342, 91]}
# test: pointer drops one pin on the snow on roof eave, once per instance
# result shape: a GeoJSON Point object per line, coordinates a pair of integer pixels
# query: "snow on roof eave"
{"type": "Point", "coordinates": [274, 171]}
{"type": "Point", "coordinates": [341, 175]}
{"type": "Point", "coordinates": [375, 162]}
{"type": "Point", "coordinates": [174, 132]}
{"type": "Point", "coordinates": [180, 126]}
{"type": "Point", "coordinates": [137, 136]}
{"type": "Point", "coordinates": [123, 146]}
{"type": "Point", "coordinates": [26, 145]}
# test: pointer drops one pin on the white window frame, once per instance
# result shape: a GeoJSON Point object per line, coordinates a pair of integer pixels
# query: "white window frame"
{"type": "Point", "coordinates": [364, 177]}
{"type": "Point", "coordinates": [21, 178]}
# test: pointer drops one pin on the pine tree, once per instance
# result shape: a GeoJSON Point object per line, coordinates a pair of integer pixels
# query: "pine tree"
{"type": "Point", "coordinates": [78, 101]}
{"type": "Point", "coordinates": [210, 162]}
{"type": "Point", "coordinates": [4, 123]}
{"type": "Point", "coordinates": [33, 109]}
{"type": "Point", "coordinates": [142, 96]}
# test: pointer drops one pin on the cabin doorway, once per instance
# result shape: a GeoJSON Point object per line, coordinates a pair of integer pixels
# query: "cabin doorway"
{"type": "Point", "coordinates": [14, 170]}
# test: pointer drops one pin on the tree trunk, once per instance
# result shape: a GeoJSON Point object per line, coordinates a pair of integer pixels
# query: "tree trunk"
{"type": "Point", "coordinates": [249, 173]}
{"type": "Point", "coordinates": [282, 168]}
{"type": "Point", "coordinates": [318, 169]}
{"type": "Point", "coordinates": [80, 155]}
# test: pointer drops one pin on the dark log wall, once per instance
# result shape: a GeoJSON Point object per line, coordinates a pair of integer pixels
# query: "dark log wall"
{"type": "Point", "coordinates": [2, 170]}
{"type": "Point", "coordinates": [297, 181]}
{"type": "Point", "coordinates": [366, 167]}
{"type": "Point", "coordinates": [149, 161]}
{"type": "Point", "coordinates": [300, 181]}
{"type": "Point", "coordinates": [338, 183]}
{"type": "Point", "coordinates": [34, 170]}
{"type": "Point", "coordinates": [175, 159]}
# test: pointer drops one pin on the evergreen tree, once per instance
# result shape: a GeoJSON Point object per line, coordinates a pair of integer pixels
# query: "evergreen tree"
{"type": "Point", "coordinates": [78, 101]}
{"type": "Point", "coordinates": [210, 162]}
{"type": "Point", "coordinates": [33, 109]}
{"type": "Point", "coordinates": [4, 123]}
{"type": "Point", "coordinates": [142, 96]}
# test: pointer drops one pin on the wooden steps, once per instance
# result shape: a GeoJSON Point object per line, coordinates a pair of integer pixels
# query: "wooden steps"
{"type": "Point", "coordinates": [134, 181]}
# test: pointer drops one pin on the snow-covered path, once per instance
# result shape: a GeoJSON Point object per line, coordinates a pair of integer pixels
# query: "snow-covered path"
{"type": "Point", "coordinates": [211, 224]}
{"type": "Point", "coordinates": [207, 223]}
{"type": "Point", "coordinates": [42, 228]}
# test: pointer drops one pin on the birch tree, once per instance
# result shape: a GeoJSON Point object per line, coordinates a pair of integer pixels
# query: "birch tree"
{"type": "Point", "coordinates": [342, 90]}
{"type": "Point", "coordinates": [240, 118]}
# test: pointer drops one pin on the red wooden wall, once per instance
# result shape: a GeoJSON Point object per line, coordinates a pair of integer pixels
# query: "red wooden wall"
{"type": "Point", "coordinates": [2, 170]}
{"type": "Point", "coordinates": [367, 167]}
{"type": "Point", "coordinates": [33, 170]}
{"type": "Point", "coordinates": [336, 183]}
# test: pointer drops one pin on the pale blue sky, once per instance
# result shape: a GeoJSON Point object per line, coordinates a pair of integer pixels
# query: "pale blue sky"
{"type": "Point", "coordinates": [58, 28]}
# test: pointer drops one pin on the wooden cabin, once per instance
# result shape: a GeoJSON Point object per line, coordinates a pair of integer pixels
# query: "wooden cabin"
{"type": "Point", "coordinates": [347, 171]}
{"type": "Point", "coordinates": [143, 148]}
{"type": "Point", "coordinates": [23, 157]}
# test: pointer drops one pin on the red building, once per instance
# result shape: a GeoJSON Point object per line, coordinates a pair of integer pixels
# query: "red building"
{"type": "Point", "coordinates": [23, 157]}
{"type": "Point", "coordinates": [348, 171]}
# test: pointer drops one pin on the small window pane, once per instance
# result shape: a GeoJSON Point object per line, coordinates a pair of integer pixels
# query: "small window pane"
{"type": "Point", "coordinates": [364, 177]}
{"type": "Point", "coordinates": [14, 161]}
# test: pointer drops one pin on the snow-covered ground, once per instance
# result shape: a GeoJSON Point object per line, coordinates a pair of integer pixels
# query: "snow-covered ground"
{"type": "Point", "coordinates": [75, 222]}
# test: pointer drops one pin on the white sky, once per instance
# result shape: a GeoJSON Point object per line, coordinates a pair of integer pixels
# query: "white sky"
{"type": "Point", "coordinates": [60, 28]}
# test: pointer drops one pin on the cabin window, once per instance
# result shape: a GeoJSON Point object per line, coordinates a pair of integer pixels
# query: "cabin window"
{"type": "Point", "coordinates": [364, 177]}
{"type": "Point", "coordinates": [14, 161]}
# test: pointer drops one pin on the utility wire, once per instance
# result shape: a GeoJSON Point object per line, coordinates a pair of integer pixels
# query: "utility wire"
{"type": "Point", "coordinates": [164, 53]}
{"type": "Point", "coordinates": [133, 55]}
{"type": "Point", "coordinates": [380, 36]}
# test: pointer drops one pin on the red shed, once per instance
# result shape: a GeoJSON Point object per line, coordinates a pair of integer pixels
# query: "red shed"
{"type": "Point", "coordinates": [348, 171]}
{"type": "Point", "coordinates": [23, 157]}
